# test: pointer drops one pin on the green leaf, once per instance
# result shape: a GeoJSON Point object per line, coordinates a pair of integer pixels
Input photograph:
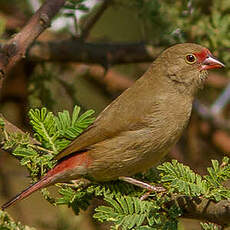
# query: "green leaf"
{"type": "Point", "coordinates": [209, 226]}
{"type": "Point", "coordinates": [71, 128]}
{"type": "Point", "coordinates": [125, 211]}
{"type": "Point", "coordinates": [25, 152]}
{"type": "Point", "coordinates": [182, 179]}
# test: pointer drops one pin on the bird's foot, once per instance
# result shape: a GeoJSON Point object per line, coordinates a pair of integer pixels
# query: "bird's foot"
{"type": "Point", "coordinates": [82, 182]}
{"type": "Point", "coordinates": [142, 184]}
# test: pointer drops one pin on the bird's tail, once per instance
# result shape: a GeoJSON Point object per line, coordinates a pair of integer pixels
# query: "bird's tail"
{"type": "Point", "coordinates": [60, 173]}
{"type": "Point", "coordinates": [32, 188]}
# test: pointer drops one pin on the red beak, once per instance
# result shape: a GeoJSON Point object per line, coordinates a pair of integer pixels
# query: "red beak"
{"type": "Point", "coordinates": [211, 62]}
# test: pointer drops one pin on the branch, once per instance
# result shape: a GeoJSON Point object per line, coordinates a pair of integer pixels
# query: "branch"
{"type": "Point", "coordinates": [204, 209]}
{"type": "Point", "coordinates": [10, 128]}
{"type": "Point", "coordinates": [221, 101]}
{"type": "Point", "coordinates": [112, 82]}
{"type": "Point", "coordinates": [207, 114]}
{"type": "Point", "coordinates": [92, 19]}
{"type": "Point", "coordinates": [15, 48]}
{"type": "Point", "coordinates": [97, 53]}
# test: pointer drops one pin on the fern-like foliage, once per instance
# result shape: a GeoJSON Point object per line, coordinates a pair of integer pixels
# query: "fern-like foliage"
{"type": "Point", "coordinates": [43, 124]}
{"type": "Point", "coordinates": [209, 226]}
{"type": "Point", "coordinates": [7, 223]}
{"type": "Point", "coordinates": [53, 132]}
{"type": "Point", "coordinates": [76, 199]}
{"type": "Point", "coordinates": [78, 196]}
{"type": "Point", "coordinates": [218, 174]}
{"type": "Point", "coordinates": [124, 209]}
{"type": "Point", "coordinates": [115, 188]}
{"type": "Point", "coordinates": [182, 179]}
{"type": "Point", "coordinates": [56, 132]}
{"type": "Point", "coordinates": [127, 212]}
{"type": "Point", "coordinates": [71, 127]}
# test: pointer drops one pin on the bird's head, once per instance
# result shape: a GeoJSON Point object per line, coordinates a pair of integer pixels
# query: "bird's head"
{"type": "Point", "coordinates": [187, 64]}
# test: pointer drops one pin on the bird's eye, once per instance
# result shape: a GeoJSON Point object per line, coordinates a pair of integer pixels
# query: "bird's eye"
{"type": "Point", "coordinates": [190, 58]}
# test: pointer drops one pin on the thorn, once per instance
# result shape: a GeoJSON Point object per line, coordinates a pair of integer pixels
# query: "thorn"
{"type": "Point", "coordinates": [11, 49]}
{"type": "Point", "coordinates": [44, 20]}
{"type": "Point", "coordinates": [2, 73]}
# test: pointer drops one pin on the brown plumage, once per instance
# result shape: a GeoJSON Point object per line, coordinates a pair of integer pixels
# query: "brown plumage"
{"type": "Point", "coordinates": [138, 128]}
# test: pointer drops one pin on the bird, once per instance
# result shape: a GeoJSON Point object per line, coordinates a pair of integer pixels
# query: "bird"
{"type": "Point", "coordinates": [139, 127]}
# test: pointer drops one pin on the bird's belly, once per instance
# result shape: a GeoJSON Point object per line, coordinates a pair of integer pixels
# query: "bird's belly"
{"type": "Point", "coordinates": [128, 154]}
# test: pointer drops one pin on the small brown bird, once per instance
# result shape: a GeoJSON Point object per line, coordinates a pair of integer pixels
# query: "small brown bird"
{"type": "Point", "coordinates": [137, 129]}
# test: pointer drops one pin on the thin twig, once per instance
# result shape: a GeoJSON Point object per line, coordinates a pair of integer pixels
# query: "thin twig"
{"type": "Point", "coordinates": [38, 147]}
{"type": "Point", "coordinates": [10, 128]}
{"type": "Point", "coordinates": [221, 101]}
{"type": "Point", "coordinates": [215, 120]}
{"type": "Point", "coordinates": [92, 19]}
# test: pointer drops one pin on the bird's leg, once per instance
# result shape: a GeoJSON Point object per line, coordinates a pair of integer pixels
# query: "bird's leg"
{"type": "Point", "coordinates": [145, 195]}
{"type": "Point", "coordinates": [142, 184]}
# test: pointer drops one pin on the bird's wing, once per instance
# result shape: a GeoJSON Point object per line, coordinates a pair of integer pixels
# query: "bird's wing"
{"type": "Point", "coordinates": [124, 113]}
{"type": "Point", "coordinates": [93, 134]}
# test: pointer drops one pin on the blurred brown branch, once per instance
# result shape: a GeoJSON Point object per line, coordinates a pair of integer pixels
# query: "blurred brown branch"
{"type": "Point", "coordinates": [220, 126]}
{"type": "Point", "coordinates": [100, 53]}
{"type": "Point", "coordinates": [112, 82]}
{"type": "Point", "coordinates": [15, 48]}
{"type": "Point", "coordinates": [204, 209]}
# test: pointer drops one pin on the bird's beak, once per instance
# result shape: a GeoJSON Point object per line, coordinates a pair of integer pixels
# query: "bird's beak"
{"type": "Point", "coordinates": [210, 62]}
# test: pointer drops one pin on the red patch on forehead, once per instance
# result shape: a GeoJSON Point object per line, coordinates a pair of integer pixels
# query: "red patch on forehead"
{"type": "Point", "coordinates": [202, 55]}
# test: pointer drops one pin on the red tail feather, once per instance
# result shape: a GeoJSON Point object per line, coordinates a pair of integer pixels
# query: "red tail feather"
{"type": "Point", "coordinates": [76, 163]}
{"type": "Point", "coordinates": [32, 188]}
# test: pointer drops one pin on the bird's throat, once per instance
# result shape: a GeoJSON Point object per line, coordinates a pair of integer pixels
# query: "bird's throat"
{"type": "Point", "coordinates": [202, 77]}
